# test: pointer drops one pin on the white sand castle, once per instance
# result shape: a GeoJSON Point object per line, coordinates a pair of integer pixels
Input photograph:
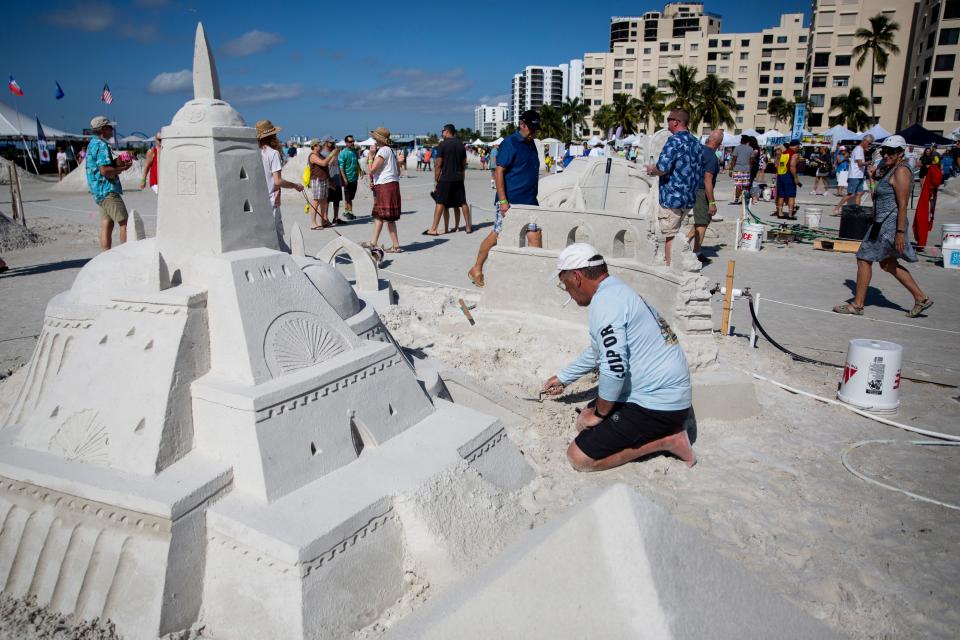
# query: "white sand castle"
{"type": "Point", "coordinates": [518, 277]}
{"type": "Point", "coordinates": [208, 423]}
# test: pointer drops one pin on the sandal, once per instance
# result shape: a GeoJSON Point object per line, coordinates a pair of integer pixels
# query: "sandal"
{"type": "Point", "coordinates": [367, 245]}
{"type": "Point", "coordinates": [316, 228]}
{"type": "Point", "coordinates": [394, 250]}
{"type": "Point", "coordinates": [920, 307]}
{"type": "Point", "coordinates": [848, 309]}
{"type": "Point", "coordinates": [432, 235]}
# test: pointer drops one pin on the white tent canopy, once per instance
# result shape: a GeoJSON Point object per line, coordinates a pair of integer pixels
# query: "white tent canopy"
{"type": "Point", "coordinates": [14, 124]}
{"type": "Point", "coordinates": [731, 140]}
{"type": "Point", "coordinates": [496, 142]}
{"type": "Point", "coordinates": [840, 132]}
{"type": "Point", "coordinates": [752, 133]}
{"type": "Point", "coordinates": [773, 134]}
{"type": "Point", "coordinates": [369, 142]}
{"type": "Point", "coordinates": [479, 143]}
{"type": "Point", "coordinates": [878, 133]}
{"type": "Point", "coordinates": [594, 141]}
{"type": "Point", "coordinates": [955, 134]}
{"type": "Point", "coordinates": [549, 141]}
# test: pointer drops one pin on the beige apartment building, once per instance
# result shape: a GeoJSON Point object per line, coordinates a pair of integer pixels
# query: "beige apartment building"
{"type": "Point", "coordinates": [831, 65]}
{"type": "Point", "coordinates": [643, 49]}
{"type": "Point", "coordinates": [932, 92]}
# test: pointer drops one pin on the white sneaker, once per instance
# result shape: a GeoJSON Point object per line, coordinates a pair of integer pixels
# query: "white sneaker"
{"type": "Point", "coordinates": [716, 218]}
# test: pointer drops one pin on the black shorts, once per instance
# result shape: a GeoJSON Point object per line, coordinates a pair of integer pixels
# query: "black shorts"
{"type": "Point", "coordinates": [629, 426]}
{"type": "Point", "coordinates": [350, 191]}
{"type": "Point", "coordinates": [450, 194]}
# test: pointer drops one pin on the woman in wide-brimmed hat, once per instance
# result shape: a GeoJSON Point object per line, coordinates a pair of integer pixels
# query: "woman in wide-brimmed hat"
{"type": "Point", "coordinates": [272, 164]}
{"type": "Point", "coordinates": [385, 182]}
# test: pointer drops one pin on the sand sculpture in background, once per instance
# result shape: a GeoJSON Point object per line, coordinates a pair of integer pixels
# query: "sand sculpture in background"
{"type": "Point", "coordinates": [207, 422]}
{"type": "Point", "coordinates": [519, 278]}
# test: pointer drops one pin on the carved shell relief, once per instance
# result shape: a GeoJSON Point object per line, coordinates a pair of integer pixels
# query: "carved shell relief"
{"type": "Point", "coordinates": [297, 340]}
{"type": "Point", "coordinates": [82, 437]}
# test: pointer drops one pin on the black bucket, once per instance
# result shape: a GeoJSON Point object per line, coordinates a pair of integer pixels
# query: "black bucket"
{"type": "Point", "coordinates": [854, 221]}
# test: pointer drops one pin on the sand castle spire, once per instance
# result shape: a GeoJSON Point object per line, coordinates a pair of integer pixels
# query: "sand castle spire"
{"type": "Point", "coordinates": [206, 83]}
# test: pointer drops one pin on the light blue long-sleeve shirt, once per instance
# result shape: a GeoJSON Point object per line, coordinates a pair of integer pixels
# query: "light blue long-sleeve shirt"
{"type": "Point", "coordinates": [636, 351]}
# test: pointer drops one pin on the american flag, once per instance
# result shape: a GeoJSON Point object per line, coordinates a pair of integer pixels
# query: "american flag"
{"type": "Point", "coordinates": [106, 96]}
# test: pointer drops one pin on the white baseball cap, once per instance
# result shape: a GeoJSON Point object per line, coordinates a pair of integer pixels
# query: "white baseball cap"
{"type": "Point", "coordinates": [895, 142]}
{"type": "Point", "coordinates": [577, 256]}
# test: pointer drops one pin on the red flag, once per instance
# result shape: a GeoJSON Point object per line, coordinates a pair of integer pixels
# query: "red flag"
{"type": "Point", "coordinates": [14, 87]}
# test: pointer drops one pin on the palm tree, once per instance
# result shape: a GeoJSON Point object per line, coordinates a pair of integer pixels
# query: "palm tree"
{"type": "Point", "coordinates": [604, 119]}
{"type": "Point", "coordinates": [626, 112]}
{"type": "Point", "coordinates": [686, 90]}
{"type": "Point", "coordinates": [853, 110]}
{"type": "Point", "coordinates": [508, 130]}
{"type": "Point", "coordinates": [650, 106]}
{"type": "Point", "coordinates": [574, 112]}
{"type": "Point", "coordinates": [717, 104]}
{"type": "Point", "coordinates": [551, 123]}
{"type": "Point", "coordinates": [877, 42]}
{"type": "Point", "coordinates": [781, 109]}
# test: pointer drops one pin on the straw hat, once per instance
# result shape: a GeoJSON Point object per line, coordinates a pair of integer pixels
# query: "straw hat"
{"type": "Point", "coordinates": [382, 135]}
{"type": "Point", "coordinates": [265, 128]}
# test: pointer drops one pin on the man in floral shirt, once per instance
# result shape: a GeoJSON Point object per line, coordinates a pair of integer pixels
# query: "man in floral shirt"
{"type": "Point", "coordinates": [103, 180]}
{"type": "Point", "coordinates": [680, 168]}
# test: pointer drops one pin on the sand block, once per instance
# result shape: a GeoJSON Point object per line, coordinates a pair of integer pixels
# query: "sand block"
{"type": "Point", "coordinates": [618, 566]}
{"type": "Point", "coordinates": [724, 395]}
{"type": "Point", "coordinates": [329, 557]}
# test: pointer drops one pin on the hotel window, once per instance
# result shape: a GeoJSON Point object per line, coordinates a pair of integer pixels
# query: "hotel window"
{"type": "Point", "coordinates": [676, 47]}
{"type": "Point", "coordinates": [617, 74]}
{"type": "Point", "coordinates": [762, 104]}
{"type": "Point", "coordinates": [778, 66]}
{"type": "Point", "coordinates": [815, 120]}
{"type": "Point", "coordinates": [664, 46]}
{"type": "Point", "coordinates": [628, 86]}
{"type": "Point", "coordinates": [743, 69]}
{"type": "Point", "coordinates": [712, 44]}
{"type": "Point", "coordinates": [647, 51]}
{"type": "Point", "coordinates": [842, 61]}
{"type": "Point", "coordinates": [618, 63]}
{"type": "Point", "coordinates": [821, 59]}
{"type": "Point", "coordinates": [764, 79]}
{"type": "Point", "coordinates": [781, 39]}
{"type": "Point", "coordinates": [712, 55]}
{"type": "Point", "coordinates": [711, 68]}
{"type": "Point", "coordinates": [764, 92]}
{"type": "Point", "coordinates": [937, 112]}
{"type": "Point", "coordinates": [617, 85]}
{"type": "Point", "coordinates": [744, 43]}
{"type": "Point", "coordinates": [949, 36]}
{"type": "Point", "coordinates": [944, 62]}
{"type": "Point", "coordinates": [694, 47]}
{"type": "Point", "coordinates": [777, 93]}
{"type": "Point", "coordinates": [768, 39]}
{"type": "Point", "coordinates": [951, 10]}
{"type": "Point", "coordinates": [764, 66]}
{"type": "Point", "coordinates": [777, 79]}
{"type": "Point", "coordinates": [802, 39]}
{"type": "Point", "coordinates": [726, 43]}
{"type": "Point", "coordinates": [879, 79]}
{"type": "Point", "coordinates": [630, 52]}
{"type": "Point", "coordinates": [597, 103]}
{"type": "Point", "coordinates": [800, 66]}
{"type": "Point", "coordinates": [940, 87]}
{"type": "Point", "coordinates": [724, 70]}
{"type": "Point", "coordinates": [816, 100]}
{"type": "Point", "coordinates": [818, 81]}
{"type": "Point", "coordinates": [877, 99]}
{"type": "Point", "coordinates": [741, 94]}
{"type": "Point", "coordinates": [841, 81]}
{"type": "Point", "coordinates": [744, 55]}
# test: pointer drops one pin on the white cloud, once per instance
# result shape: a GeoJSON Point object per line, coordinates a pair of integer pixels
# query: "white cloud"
{"type": "Point", "coordinates": [171, 82]}
{"type": "Point", "coordinates": [503, 97]}
{"type": "Point", "coordinates": [258, 94]}
{"type": "Point", "coordinates": [411, 89]}
{"type": "Point", "coordinates": [141, 33]}
{"type": "Point", "coordinates": [251, 42]}
{"type": "Point", "coordinates": [85, 16]}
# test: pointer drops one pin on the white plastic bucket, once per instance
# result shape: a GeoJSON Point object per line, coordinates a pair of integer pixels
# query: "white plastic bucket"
{"type": "Point", "coordinates": [751, 237]}
{"type": "Point", "coordinates": [951, 256]}
{"type": "Point", "coordinates": [811, 217]}
{"type": "Point", "coordinates": [871, 376]}
{"type": "Point", "coordinates": [951, 235]}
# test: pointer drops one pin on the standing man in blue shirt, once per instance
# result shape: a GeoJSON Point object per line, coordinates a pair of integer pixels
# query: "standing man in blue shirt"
{"type": "Point", "coordinates": [516, 177]}
{"type": "Point", "coordinates": [644, 394]}
{"type": "Point", "coordinates": [680, 168]}
{"type": "Point", "coordinates": [103, 180]}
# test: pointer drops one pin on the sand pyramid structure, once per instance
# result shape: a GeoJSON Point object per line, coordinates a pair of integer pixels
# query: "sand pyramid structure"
{"type": "Point", "coordinates": [210, 424]}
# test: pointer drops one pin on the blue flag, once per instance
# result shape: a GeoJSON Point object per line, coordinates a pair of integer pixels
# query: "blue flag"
{"type": "Point", "coordinates": [59, 91]}
{"type": "Point", "coordinates": [42, 143]}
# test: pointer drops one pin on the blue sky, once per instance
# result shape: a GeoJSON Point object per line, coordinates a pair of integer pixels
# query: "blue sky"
{"type": "Point", "coordinates": [314, 68]}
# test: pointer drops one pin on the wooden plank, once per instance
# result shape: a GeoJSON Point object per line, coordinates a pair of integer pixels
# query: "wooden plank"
{"type": "Point", "coordinates": [840, 246]}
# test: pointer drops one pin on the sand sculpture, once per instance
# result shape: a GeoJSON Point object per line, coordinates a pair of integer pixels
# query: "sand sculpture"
{"type": "Point", "coordinates": [209, 422]}
{"type": "Point", "coordinates": [519, 277]}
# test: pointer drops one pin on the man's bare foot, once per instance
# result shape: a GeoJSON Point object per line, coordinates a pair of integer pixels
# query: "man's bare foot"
{"type": "Point", "coordinates": [476, 277]}
{"type": "Point", "coordinates": [679, 445]}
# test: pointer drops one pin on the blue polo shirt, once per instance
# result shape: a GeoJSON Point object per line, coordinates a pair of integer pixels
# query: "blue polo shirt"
{"type": "Point", "coordinates": [522, 165]}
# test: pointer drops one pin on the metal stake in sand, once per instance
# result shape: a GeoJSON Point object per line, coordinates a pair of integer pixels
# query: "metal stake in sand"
{"type": "Point", "coordinates": [728, 299]}
{"type": "Point", "coordinates": [606, 183]}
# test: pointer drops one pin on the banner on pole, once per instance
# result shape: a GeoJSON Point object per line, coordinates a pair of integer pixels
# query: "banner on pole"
{"type": "Point", "coordinates": [799, 115]}
{"type": "Point", "coordinates": [42, 150]}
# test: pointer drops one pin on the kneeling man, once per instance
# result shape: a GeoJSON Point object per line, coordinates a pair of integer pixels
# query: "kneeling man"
{"type": "Point", "coordinates": [644, 393]}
